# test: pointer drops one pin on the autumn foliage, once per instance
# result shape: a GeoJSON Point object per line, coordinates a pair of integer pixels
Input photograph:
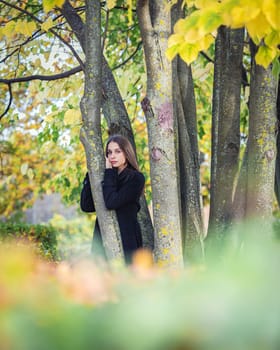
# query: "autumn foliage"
{"type": "Point", "coordinates": [88, 306]}
{"type": "Point", "coordinates": [196, 32]}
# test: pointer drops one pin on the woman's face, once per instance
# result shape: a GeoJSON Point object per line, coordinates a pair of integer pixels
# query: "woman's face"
{"type": "Point", "coordinates": [116, 156]}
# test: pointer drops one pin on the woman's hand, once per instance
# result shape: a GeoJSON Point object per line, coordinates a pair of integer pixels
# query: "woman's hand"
{"type": "Point", "coordinates": [108, 163]}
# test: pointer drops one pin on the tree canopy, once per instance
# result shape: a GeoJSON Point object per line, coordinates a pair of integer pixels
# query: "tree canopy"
{"type": "Point", "coordinates": [196, 32]}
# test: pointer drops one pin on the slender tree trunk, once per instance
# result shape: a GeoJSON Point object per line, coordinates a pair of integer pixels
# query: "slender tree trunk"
{"type": "Point", "coordinates": [240, 195]}
{"type": "Point", "coordinates": [91, 130]}
{"type": "Point", "coordinates": [277, 167]}
{"type": "Point", "coordinates": [261, 141]}
{"type": "Point", "coordinates": [225, 128]}
{"type": "Point", "coordinates": [192, 224]}
{"type": "Point", "coordinates": [188, 163]}
{"type": "Point", "coordinates": [155, 26]}
{"type": "Point", "coordinates": [114, 112]}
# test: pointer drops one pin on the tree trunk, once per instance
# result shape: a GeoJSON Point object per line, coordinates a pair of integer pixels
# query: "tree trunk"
{"type": "Point", "coordinates": [192, 224]}
{"type": "Point", "coordinates": [277, 167]}
{"type": "Point", "coordinates": [118, 122]}
{"type": "Point", "coordinates": [261, 141]}
{"type": "Point", "coordinates": [91, 131]}
{"type": "Point", "coordinates": [155, 27]}
{"type": "Point", "coordinates": [225, 128]}
{"type": "Point", "coordinates": [114, 112]}
{"type": "Point", "coordinates": [240, 195]}
{"type": "Point", "coordinates": [189, 174]}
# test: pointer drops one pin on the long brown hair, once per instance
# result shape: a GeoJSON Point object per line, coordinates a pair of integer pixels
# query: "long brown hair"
{"type": "Point", "coordinates": [127, 149]}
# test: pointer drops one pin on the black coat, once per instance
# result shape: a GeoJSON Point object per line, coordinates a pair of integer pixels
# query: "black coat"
{"type": "Point", "coordinates": [121, 192]}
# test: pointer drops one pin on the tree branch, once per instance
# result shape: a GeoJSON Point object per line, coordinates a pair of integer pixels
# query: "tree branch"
{"type": "Point", "coordinates": [42, 77]}
{"type": "Point", "coordinates": [10, 101]}
{"type": "Point", "coordinates": [50, 30]}
{"type": "Point", "coordinates": [9, 82]}
{"type": "Point", "coordinates": [129, 58]}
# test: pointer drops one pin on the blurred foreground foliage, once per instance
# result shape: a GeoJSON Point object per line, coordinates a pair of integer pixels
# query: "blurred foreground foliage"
{"type": "Point", "coordinates": [42, 237]}
{"type": "Point", "coordinates": [230, 303]}
{"type": "Point", "coordinates": [74, 236]}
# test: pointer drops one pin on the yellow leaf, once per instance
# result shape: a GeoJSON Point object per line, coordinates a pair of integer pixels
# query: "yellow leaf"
{"type": "Point", "coordinates": [129, 5]}
{"type": "Point", "coordinates": [258, 28]}
{"type": "Point", "coordinates": [188, 52]}
{"type": "Point", "coordinates": [111, 4]}
{"type": "Point", "coordinates": [172, 51]}
{"type": "Point", "coordinates": [9, 29]}
{"type": "Point", "coordinates": [72, 117]}
{"type": "Point", "coordinates": [179, 27]}
{"type": "Point", "coordinates": [175, 39]}
{"type": "Point", "coordinates": [209, 20]}
{"type": "Point", "coordinates": [265, 55]}
{"type": "Point", "coordinates": [272, 39]}
{"type": "Point", "coordinates": [47, 24]}
{"type": "Point", "coordinates": [192, 36]}
{"type": "Point", "coordinates": [205, 42]}
{"type": "Point", "coordinates": [242, 14]}
{"type": "Point", "coordinates": [48, 5]}
{"type": "Point", "coordinates": [25, 28]}
{"type": "Point", "coordinates": [205, 3]}
{"type": "Point", "coordinates": [182, 26]}
{"type": "Point", "coordinates": [271, 10]}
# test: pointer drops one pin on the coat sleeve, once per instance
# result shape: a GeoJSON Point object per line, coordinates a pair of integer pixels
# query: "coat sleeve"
{"type": "Point", "coordinates": [86, 200]}
{"type": "Point", "coordinates": [130, 191]}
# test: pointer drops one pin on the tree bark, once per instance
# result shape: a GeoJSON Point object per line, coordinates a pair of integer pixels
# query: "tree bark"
{"type": "Point", "coordinates": [192, 224]}
{"type": "Point", "coordinates": [189, 174]}
{"type": "Point", "coordinates": [225, 128]}
{"type": "Point", "coordinates": [91, 131]}
{"type": "Point", "coordinates": [155, 27]}
{"type": "Point", "coordinates": [277, 166]}
{"type": "Point", "coordinates": [114, 112]}
{"type": "Point", "coordinates": [261, 141]}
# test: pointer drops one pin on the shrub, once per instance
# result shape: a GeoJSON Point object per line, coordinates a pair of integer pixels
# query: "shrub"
{"type": "Point", "coordinates": [42, 237]}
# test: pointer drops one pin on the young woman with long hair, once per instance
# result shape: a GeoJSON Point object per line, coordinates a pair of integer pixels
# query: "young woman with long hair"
{"type": "Point", "coordinates": [122, 186]}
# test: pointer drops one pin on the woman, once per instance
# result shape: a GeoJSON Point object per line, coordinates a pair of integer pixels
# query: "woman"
{"type": "Point", "coordinates": [122, 186]}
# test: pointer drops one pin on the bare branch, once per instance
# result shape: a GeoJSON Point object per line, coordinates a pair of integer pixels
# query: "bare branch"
{"type": "Point", "coordinates": [10, 101]}
{"type": "Point", "coordinates": [209, 59]}
{"type": "Point", "coordinates": [129, 58]}
{"type": "Point", "coordinates": [43, 77]}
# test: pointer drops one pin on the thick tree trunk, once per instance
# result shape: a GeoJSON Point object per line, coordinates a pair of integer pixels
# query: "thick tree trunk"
{"type": "Point", "coordinates": [155, 26]}
{"type": "Point", "coordinates": [261, 141]}
{"type": "Point", "coordinates": [114, 112]}
{"type": "Point", "coordinates": [225, 128]}
{"type": "Point", "coordinates": [118, 122]}
{"type": "Point", "coordinates": [91, 131]}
